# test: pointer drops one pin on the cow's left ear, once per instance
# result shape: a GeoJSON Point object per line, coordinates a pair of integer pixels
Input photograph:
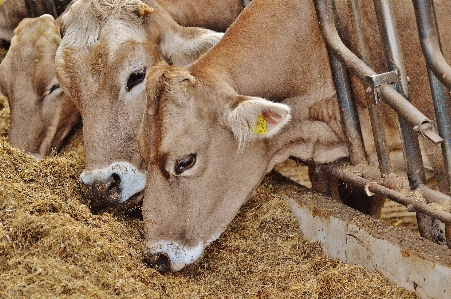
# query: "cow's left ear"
{"type": "Point", "coordinates": [187, 44]}
{"type": "Point", "coordinates": [252, 118]}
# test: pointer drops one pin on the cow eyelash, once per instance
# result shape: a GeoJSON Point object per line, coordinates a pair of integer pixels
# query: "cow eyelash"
{"type": "Point", "coordinates": [135, 78]}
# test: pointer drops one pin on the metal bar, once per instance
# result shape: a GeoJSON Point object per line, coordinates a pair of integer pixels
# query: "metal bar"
{"type": "Point", "coordinates": [395, 61]}
{"type": "Point", "coordinates": [448, 235]}
{"type": "Point", "coordinates": [430, 42]}
{"type": "Point", "coordinates": [362, 71]}
{"type": "Point", "coordinates": [437, 68]}
{"type": "Point", "coordinates": [348, 109]}
{"type": "Point", "coordinates": [410, 200]}
{"type": "Point", "coordinates": [49, 8]}
{"type": "Point", "coordinates": [434, 196]}
{"type": "Point", "coordinates": [375, 118]}
{"type": "Point", "coordinates": [442, 107]}
{"type": "Point", "coordinates": [31, 7]}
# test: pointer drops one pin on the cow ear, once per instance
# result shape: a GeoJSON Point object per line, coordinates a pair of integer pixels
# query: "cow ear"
{"type": "Point", "coordinates": [187, 44]}
{"type": "Point", "coordinates": [254, 118]}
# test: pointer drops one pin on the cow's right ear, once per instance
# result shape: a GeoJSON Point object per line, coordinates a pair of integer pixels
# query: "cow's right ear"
{"type": "Point", "coordinates": [187, 44]}
{"type": "Point", "coordinates": [252, 118]}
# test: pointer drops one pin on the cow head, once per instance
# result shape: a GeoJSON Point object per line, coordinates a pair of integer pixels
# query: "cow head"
{"type": "Point", "coordinates": [206, 151]}
{"type": "Point", "coordinates": [107, 50]}
{"type": "Point", "coordinates": [41, 114]}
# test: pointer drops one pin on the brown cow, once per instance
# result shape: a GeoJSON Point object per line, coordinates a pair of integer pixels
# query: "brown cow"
{"type": "Point", "coordinates": [41, 114]}
{"type": "Point", "coordinates": [106, 51]}
{"type": "Point", "coordinates": [208, 142]}
{"type": "Point", "coordinates": [209, 133]}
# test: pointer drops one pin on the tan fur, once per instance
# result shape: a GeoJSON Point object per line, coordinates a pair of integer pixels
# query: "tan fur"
{"type": "Point", "coordinates": [41, 116]}
{"type": "Point", "coordinates": [188, 203]}
{"type": "Point", "coordinates": [212, 14]}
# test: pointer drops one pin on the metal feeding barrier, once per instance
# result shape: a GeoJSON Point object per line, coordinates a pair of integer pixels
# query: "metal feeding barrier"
{"type": "Point", "coordinates": [391, 87]}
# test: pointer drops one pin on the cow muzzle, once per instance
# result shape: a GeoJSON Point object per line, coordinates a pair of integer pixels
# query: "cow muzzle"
{"type": "Point", "coordinates": [112, 185]}
{"type": "Point", "coordinates": [170, 256]}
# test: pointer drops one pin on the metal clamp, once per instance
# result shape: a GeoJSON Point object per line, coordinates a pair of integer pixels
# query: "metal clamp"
{"type": "Point", "coordinates": [427, 130]}
{"type": "Point", "coordinates": [374, 81]}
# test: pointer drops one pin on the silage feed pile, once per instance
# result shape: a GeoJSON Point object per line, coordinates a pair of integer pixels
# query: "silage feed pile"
{"type": "Point", "coordinates": [52, 246]}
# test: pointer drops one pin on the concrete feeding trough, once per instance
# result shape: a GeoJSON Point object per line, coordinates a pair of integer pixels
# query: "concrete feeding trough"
{"type": "Point", "coordinates": [402, 256]}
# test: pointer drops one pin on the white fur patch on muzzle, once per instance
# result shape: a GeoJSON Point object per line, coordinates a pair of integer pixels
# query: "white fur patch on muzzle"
{"type": "Point", "coordinates": [179, 255]}
{"type": "Point", "coordinates": [132, 180]}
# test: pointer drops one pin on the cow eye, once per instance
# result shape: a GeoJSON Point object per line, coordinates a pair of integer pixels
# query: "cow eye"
{"type": "Point", "coordinates": [53, 88]}
{"type": "Point", "coordinates": [184, 164]}
{"type": "Point", "coordinates": [135, 78]}
{"type": "Point", "coordinates": [48, 92]}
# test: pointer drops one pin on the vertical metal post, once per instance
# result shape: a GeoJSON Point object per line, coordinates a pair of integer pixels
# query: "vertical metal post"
{"type": "Point", "coordinates": [394, 58]}
{"type": "Point", "coordinates": [322, 182]}
{"type": "Point", "coordinates": [430, 43]}
{"type": "Point", "coordinates": [49, 8]}
{"type": "Point", "coordinates": [375, 118]}
{"type": "Point", "coordinates": [348, 109]}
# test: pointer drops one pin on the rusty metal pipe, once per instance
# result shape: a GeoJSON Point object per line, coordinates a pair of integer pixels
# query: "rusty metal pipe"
{"type": "Point", "coordinates": [434, 196]}
{"type": "Point", "coordinates": [374, 187]}
{"type": "Point", "coordinates": [448, 235]}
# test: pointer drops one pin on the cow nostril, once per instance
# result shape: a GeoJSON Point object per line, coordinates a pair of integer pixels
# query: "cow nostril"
{"type": "Point", "coordinates": [159, 260]}
{"type": "Point", "coordinates": [102, 194]}
{"type": "Point", "coordinates": [116, 180]}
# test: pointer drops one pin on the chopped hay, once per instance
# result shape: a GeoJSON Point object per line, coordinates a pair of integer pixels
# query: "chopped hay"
{"type": "Point", "coordinates": [51, 246]}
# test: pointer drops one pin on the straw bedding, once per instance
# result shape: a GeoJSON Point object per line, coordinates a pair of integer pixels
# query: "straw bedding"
{"type": "Point", "coordinates": [52, 246]}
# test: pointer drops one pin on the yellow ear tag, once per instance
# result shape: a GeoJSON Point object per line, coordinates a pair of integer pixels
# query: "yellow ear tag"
{"type": "Point", "coordinates": [1, 2]}
{"type": "Point", "coordinates": [261, 128]}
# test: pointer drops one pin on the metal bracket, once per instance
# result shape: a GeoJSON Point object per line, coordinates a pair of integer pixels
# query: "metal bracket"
{"type": "Point", "coordinates": [427, 129]}
{"type": "Point", "coordinates": [374, 81]}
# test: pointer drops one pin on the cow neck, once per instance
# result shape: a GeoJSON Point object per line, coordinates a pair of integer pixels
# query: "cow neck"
{"type": "Point", "coordinates": [263, 59]}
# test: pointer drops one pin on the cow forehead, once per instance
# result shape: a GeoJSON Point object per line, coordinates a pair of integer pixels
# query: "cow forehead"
{"type": "Point", "coordinates": [185, 127]}
{"type": "Point", "coordinates": [98, 65]}
{"type": "Point", "coordinates": [111, 41]}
